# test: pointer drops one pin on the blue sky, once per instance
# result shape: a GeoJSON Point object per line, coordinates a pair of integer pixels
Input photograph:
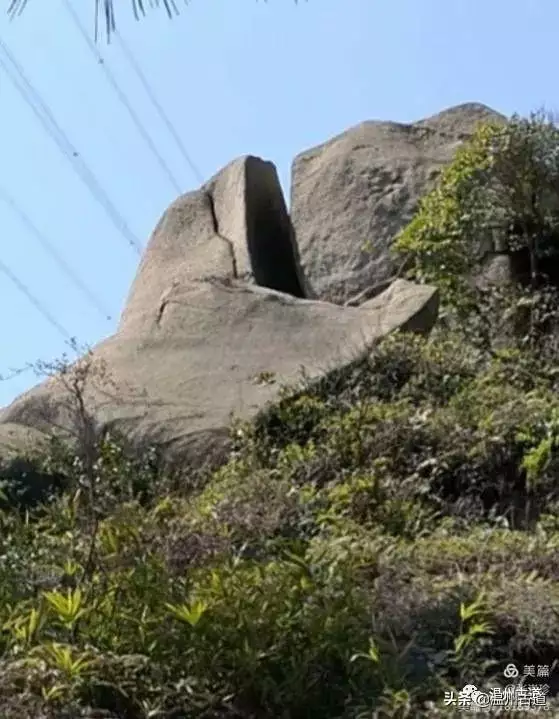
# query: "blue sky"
{"type": "Point", "coordinates": [235, 77]}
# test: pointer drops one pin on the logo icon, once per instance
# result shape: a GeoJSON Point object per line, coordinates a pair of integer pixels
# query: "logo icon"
{"type": "Point", "coordinates": [511, 672]}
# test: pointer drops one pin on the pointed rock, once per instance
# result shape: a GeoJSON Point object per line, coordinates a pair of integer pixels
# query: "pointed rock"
{"type": "Point", "coordinates": [235, 227]}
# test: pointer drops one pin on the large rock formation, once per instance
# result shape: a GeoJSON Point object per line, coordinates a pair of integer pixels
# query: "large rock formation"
{"type": "Point", "coordinates": [223, 311]}
{"type": "Point", "coordinates": [216, 322]}
{"type": "Point", "coordinates": [352, 195]}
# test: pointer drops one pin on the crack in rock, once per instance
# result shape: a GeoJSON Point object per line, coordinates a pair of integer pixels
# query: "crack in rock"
{"type": "Point", "coordinates": [164, 301]}
{"type": "Point", "coordinates": [225, 239]}
{"type": "Point", "coordinates": [162, 307]}
{"type": "Point", "coordinates": [166, 298]}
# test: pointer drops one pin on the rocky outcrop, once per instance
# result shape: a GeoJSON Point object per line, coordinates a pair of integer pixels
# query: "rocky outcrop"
{"type": "Point", "coordinates": [235, 227]}
{"type": "Point", "coordinates": [216, 322]}
{"type": "Point", "coordinates": [222, 348]}
{"type": "Point", "coordinates": [234, 298]}
{"type": "Point", "coordinates": [353, 194]}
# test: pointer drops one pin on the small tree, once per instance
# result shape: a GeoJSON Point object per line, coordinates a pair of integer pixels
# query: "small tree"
{"type": "Point", "coordinates": [501, 192]}
{"type": "Point", "coordinates": [523, 187]}
{"type": "Point", "coordinates": [439, 240]}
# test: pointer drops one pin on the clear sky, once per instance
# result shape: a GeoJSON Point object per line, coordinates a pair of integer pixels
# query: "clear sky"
{"type": "Point", "coordinates": [235, 77]}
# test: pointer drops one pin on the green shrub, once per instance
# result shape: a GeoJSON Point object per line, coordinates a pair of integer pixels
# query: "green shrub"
{"type": "Point", "coordinates": [500, 186]}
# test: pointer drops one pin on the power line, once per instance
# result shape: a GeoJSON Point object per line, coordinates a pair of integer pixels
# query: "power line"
{"type": "Point", "coordinates": [44, 115]}
{"type": "Point", "coordinates": [35, 302]}
{"type": "Point", "coordinates": [53, 252]}
{"type": "Point", "coordinates": [37, 104]}
{"type": "Point", "coordinates": [138, 70]}
{"type": "Point", "coordinates": [122, 97]}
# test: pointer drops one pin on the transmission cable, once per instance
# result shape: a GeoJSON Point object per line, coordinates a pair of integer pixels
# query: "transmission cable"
{"type": "Point", "coordinates": [53, 252]}
{"type": "Point", "coordinates": [35, 302]}
{"type": "Point", "coordinates": [122, 96]}
{"type": "Point", "coordinates": [44, 115]}
{"type": "Point", "coordinates": [157, 105]}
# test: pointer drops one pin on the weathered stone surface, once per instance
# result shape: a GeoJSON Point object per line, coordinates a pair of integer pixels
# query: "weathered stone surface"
{"type": "Point", "coordinates": [211, 353]}
{"type": "Point", "coordinates": [353, 194]}
{"type": "Point", "coordinates": [214, 326]}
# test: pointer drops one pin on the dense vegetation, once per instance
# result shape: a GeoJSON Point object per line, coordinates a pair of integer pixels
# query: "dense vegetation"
{"type": "Point", "coordinates": [375, 540]}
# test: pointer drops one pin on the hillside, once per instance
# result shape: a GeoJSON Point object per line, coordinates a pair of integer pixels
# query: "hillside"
{"type": "Point", "coordinates": [376, 539]}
